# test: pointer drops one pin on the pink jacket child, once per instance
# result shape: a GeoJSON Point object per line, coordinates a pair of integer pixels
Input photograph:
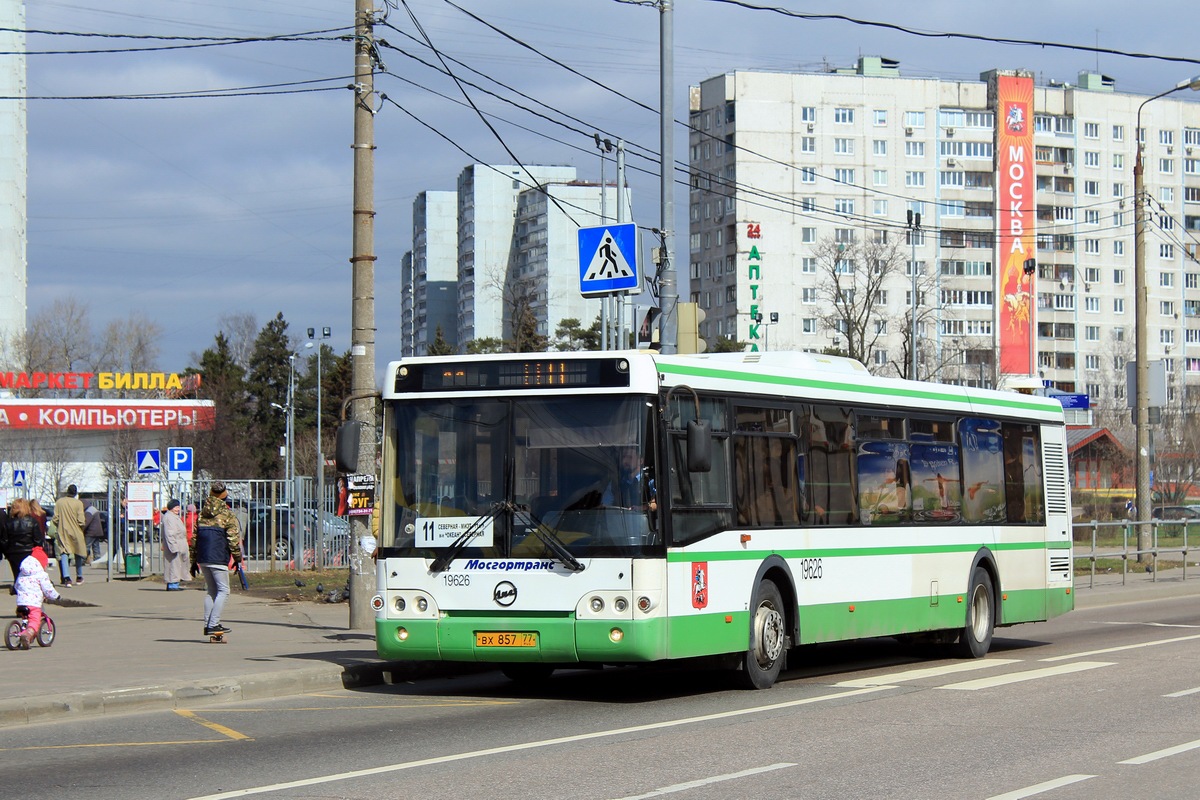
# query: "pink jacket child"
{"type": "Point", "coordinates": [33, 587]}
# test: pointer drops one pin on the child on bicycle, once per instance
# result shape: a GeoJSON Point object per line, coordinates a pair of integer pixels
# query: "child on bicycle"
{"type": "Point", "coordinates": [33, 587]}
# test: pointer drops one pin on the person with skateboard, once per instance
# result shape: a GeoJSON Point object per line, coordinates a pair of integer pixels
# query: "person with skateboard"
{"type": "Point", "coordinates": [217, 542]}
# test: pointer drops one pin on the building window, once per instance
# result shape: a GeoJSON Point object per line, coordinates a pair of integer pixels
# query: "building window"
{"type": "Point", "coordinates": [843, 175]}
{"type": "Point", "coordinates": [808, 265]}
{"type": "Point", "coordinates": [914, 149]}
{"type": "Point", "coordinates": [880, 117]}
{"type": "Point", "coordinates": [879, 207]}
{"type": "Point", "coordinates": [1118, 133]}
{"type": "Point", "coordinates": [1166, 251]}
{"type": "Point", "coordinates": [1091, 130]}
{"type": "Point", "coordinates": [808, 144]}
{"type": "Point", "coordinates": [914, 119]}
{"type": "Point", "coordinates": [808, 325]}
{"type": "Point", "coordinates": [1166, 166]}
{"type": "Point", "coordinates": [808, 113]}
{"type": "Point", "coordinates": [879, 177]}
{"type": "Point", "coordinates": [808, 294]}
{"type": "Point", "coordinates": [879, 147]}
{"type": "Point", "coordinates": [1119, 305]}
{"type": "Point", "coordinates": [1118, 248]}
{"type": "Point", "coordinates": [843, 147]}
{"type": "Point", "coordinates": [808, 235]}
{"type": "Point", "coordinates": [843, 116]}
{"type": "Point", "coordinates": [914, 179]}
{"type": "Point", "coordinates": [808, 175]}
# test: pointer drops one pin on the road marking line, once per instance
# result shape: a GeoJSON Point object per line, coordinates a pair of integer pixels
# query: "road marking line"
{"type": "Point", "coordinates": [1184, 693]}
{"type": "Point", "coordinates": [212, 726]}
{"type": "Point", "coordinates": [1155, 643]}
{"type": "Point", "coordinates": [928, 672]}
{"type": "Point", "coordinates": [111, 744]}
{"type": "Point", "coordinates": [1027, 675]}
{"type": "Point", "coordinates": [1030, 791]}
{"type": "Point", "coordinates": [1151, 624]}
{"type": "Point", "coordinates": [696, 784]}
{"type": "Point", "coordinates": [1157, 754]}
{"type": "Point", "coordinates": [388, 706]}
{"type": "Point", "coordinates": [514, 748]}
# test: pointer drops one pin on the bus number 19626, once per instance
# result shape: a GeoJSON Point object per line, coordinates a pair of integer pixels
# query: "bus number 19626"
{"type": "Point", "coordinates": [810, 569]}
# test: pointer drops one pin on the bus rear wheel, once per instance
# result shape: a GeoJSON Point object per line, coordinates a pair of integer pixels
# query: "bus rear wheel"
{"type": "Point", "coordinates": [768, 639]}
{"type": "Point", "coordinates": [976, 637]}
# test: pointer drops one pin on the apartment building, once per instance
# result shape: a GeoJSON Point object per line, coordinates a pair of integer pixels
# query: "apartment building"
{"type": "Point", "coordinates": [787, 169]}
{"type": "Point", "coordinates": [496, 247]}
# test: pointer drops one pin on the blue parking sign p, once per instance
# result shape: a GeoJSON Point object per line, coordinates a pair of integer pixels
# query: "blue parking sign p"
{"type": "Point", "coordinates": [179, 459]}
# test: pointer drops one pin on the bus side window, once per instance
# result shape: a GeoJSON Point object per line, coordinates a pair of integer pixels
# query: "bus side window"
{"type": "Point", "coordinates": [831, 476]}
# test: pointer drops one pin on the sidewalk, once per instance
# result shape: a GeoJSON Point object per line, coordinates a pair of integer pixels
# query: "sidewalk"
{"type": "Point", "coordinates": [129, 645]}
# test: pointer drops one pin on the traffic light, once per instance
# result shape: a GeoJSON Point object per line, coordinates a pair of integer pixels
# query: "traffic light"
{"type": "Point", "coordinates": [1030, 266]}
{"type": "Point", "coordinates": [689, 340]}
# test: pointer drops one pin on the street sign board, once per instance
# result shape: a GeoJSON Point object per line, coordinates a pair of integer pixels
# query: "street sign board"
{"type": "Point", "coordinates": [1073, 400]}
{"type": "Point", "coordinates": [179, 463]}
{"type": "Point", "coordinates": [18, 478]}
{"type": "Point", "coordinates": [149, 462]}
{"type": "Point", "coordinates": [608, 259]}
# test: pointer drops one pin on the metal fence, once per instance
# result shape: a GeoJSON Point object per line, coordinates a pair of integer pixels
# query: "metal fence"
{"type": "Point", "coordinates": [1097, 542]}
{"type": "Point", "coordinates": [284, 524]}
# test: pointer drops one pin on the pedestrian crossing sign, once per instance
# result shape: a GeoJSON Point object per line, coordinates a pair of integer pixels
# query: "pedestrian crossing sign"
{"type": "Point", "coordinates": [608, 259]}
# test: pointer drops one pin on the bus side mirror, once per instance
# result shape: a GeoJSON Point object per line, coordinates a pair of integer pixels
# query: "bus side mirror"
{"type": "Point", "coordinates": [345, 450]}
{"type": "Point", "coordinates": [699, 447]}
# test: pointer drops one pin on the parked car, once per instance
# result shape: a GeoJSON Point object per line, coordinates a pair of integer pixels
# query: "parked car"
{"type": "Point", "coordinates": [1183, 513]}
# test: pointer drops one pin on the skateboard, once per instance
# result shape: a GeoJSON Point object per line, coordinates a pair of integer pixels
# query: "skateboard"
{"type": "Point", "coordinates": [216, 638]}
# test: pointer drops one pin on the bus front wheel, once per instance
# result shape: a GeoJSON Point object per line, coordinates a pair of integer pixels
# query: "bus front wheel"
{"type": "Point", "coordinates": [976, 636]}
{"type": "Point", "coordinates": [768, 637]}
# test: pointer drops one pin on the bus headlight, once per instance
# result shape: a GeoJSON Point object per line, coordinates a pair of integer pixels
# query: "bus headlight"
{"type": "Point", "coordinates": [616, 635]}
{"type": "Point", "coordinates": [596, 604]}
{"type": "Point", "coordinates": [399, 604]}
{"type": "Point", "coordinates": [401, 633]}
{"type": "Point", "coordinates": [620, 604]}
{"type": "Point", "coordinates": [422, 605]}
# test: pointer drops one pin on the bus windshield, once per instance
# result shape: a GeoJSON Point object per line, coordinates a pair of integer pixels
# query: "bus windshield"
{"type": "Point", "coordinates": [562, 478]}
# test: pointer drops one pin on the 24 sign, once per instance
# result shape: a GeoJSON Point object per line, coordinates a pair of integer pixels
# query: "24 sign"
{"type": "Point", "coordinates": [753, 230]}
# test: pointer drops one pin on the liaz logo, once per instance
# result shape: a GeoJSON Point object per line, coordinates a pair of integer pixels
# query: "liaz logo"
{"type": "Point", "coordinates": [505, 594]}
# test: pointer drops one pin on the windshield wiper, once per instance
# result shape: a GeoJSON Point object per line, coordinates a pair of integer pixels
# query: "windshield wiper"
{"type": "Point", "coordinates": [552, 542]}
{"type": "Point", "coordinates": [451, 552]}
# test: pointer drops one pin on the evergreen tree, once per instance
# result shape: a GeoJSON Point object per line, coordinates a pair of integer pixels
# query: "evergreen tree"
{"type": "Point", "coordinates": [439, 346]}
{"type": "Point", "coordinates": [268, 382]}
{"type": "Point", "coordinates": [224, 451]}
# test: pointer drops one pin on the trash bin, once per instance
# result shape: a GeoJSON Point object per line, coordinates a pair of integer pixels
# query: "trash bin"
{"type": "Point", "coordinates": [133, 565]}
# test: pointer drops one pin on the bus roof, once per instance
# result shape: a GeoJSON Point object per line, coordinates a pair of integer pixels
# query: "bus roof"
{"type": "Point", "coordinates": [812, 377]}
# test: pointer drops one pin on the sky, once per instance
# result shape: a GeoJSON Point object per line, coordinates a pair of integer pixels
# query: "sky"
{"type": "Point", "coordinates": [185, 210]}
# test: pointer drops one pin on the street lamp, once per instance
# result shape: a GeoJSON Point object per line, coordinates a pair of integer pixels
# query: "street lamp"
{"type": "Point", "coordinates": [317, 538]}
{"type": "Point", "coordinates": [1141, 300]}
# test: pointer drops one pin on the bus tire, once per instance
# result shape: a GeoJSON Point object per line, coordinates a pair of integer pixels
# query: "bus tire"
{"type": "Point", "coordinates": [976, 637]}
{"type": "Point", "coordinates": [768, 638]}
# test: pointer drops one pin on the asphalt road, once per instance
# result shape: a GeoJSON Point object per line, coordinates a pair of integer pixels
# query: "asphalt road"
{"type": "Point", "coordinates": [1102, 703]}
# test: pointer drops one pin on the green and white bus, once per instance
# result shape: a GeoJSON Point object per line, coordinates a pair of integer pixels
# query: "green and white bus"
{"type": "Point", "coordinates": [602, 508]}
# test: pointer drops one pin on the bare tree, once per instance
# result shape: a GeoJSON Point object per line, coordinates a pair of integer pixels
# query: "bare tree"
{"type": "Point", "coordinates": [121, 454]}
{"type": "Point", "coordinates": [855, 280]}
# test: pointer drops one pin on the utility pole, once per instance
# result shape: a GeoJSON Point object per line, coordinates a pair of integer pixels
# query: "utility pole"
{"type": "Point", "coordinates": [362, 304]}
{"type": "Point", "coordinates": [668, 290]}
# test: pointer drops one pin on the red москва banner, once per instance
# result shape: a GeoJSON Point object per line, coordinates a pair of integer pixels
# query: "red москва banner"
{"type": "Point", "coordinates": [1015, 237]}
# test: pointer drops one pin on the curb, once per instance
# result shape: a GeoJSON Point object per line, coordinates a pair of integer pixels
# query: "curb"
{"type": "Point", "coordinates": [198, 694]}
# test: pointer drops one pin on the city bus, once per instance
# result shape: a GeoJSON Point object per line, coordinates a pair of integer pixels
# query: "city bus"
{"type": "Point", "coordinates": [589, 509]}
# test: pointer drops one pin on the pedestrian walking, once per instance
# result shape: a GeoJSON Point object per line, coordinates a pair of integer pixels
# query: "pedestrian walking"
{"type": "Point", "coordinates": [218, 542]}
{"type": "Point", "coordinates": [24, 534]}
{"type": "Point", "coordinates": [174, 547]}
{"type": "Point", "coordinates": [94, 534]}
{"type": "Point", "coordinates": [71, 519]}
